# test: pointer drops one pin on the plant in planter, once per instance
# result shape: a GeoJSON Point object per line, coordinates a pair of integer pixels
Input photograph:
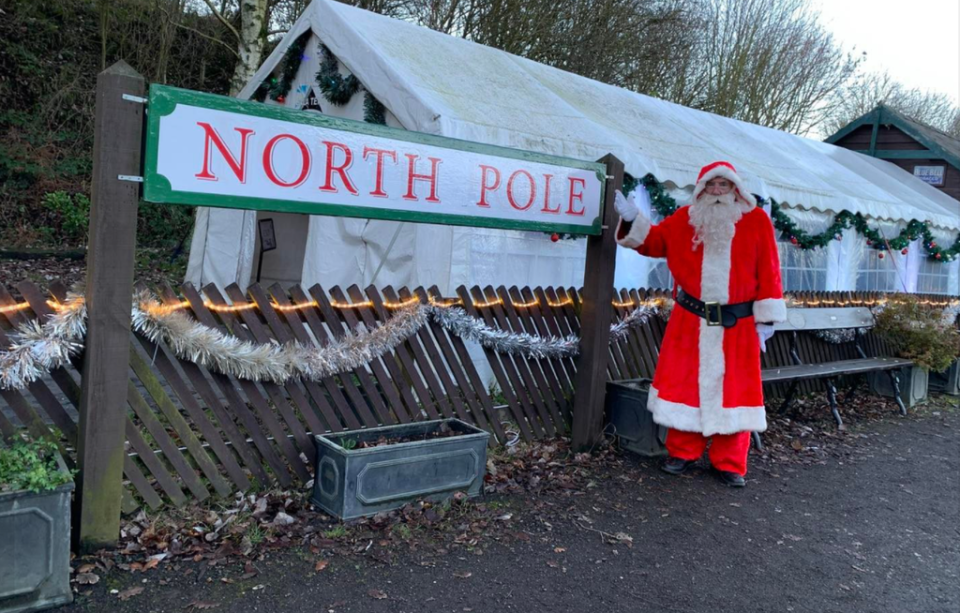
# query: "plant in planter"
{"type": "Point", "coordinates": [917, 332]}
{"type": "Point", "coordinates": [35, 488]}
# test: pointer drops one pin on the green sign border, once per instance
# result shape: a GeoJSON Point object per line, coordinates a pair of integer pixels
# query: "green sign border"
{"type": "Point", "coordinates": [156, 187]}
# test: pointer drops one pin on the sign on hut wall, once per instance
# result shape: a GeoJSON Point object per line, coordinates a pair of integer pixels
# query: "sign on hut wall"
{"type": "Point", "coordinates": [216, 151]}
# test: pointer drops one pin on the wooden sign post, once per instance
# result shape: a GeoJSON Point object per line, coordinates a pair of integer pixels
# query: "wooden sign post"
{"type": "Point", "coordinates": [208, 150]}
{"type": "Point", "coordinates": [595, 318]}
{"type": "Point", "coordinates": [109, 291]}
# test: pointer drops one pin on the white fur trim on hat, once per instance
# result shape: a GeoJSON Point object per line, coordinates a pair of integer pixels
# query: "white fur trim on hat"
{"type": "Point", "coordinates": [770, 310]}
{"type": "Point", "coordinates": [636, 235]}
{"type": "Point", "coordinates": [724, 172]}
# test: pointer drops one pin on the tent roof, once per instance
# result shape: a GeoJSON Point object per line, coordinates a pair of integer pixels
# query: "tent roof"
{"type": "Point", "coordinates": [441, 84]}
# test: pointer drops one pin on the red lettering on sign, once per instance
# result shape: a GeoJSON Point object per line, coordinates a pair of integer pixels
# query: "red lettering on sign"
{"type": "Point", "coordinates": [210, 135]}
{"type": "Point", "coordinates": [546, 197]}
{"type": "Point", "coordinates": [412, 176]}
{"type": "Point", "coordinates": [269, 170]}
{"type": "Point", "coordinates": [574, 195]}
{"type": "Point", "coordinates": [380, 153]}
{"type": "Point", "coordinates": [484, 188]}
{"type": "Point", "coordinates": [533, 190]}
{"type": "Point", "coordinates": [340, 170]}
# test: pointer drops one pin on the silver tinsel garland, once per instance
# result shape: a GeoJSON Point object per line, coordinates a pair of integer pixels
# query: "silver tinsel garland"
{"type": "Point", "coordinates": [843, 335]}
{"type": "Point", "coordinates": [228, 355]}
{"type": "Point", "coordinates": [39, 349]}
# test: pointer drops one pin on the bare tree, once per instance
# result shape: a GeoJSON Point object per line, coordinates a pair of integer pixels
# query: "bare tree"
{"type": "Point", "coordinates": [868, 90]}
{"type": "Point", "coordinates": [768, 62]}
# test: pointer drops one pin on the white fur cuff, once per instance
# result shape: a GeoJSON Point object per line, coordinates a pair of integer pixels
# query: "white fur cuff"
{"type": "Point", "coordinates": [771, 310]}
{"type": "Point", "coordinates": [637, 234]}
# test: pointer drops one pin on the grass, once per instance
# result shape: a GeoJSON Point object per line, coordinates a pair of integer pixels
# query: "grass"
{"type": "Point", "coordinates": [256, 534]}
{"type": "Point", "coordinates": [335, 532]}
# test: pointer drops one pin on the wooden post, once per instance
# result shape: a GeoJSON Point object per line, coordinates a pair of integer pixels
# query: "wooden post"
{"type": "Point", "coordinates": [595, 319]}
{"type": "Point", "coordinates": [109, 290]}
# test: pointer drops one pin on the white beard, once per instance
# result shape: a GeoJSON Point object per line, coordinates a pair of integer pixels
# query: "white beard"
{"type": "Point", "coordinates": [714, 218]}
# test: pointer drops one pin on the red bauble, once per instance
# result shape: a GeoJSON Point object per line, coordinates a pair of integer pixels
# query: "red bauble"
{"type": "Point", "coordinates": [869, 243]}
{"type": "Point", "coordinates": [880, 255]}
{"type": "Point", "coordinates": [793, 239]}
{"type": "Point", "coordinates": [904, 251]}
{"type": "Point", "coordinates": [281, 99]}
{"type": "Point", "coordinates": [933, 244]}
{"type": "Point", "coordinates": [554, 237]}
{"type": "Point", "coordinates": [937, 256]}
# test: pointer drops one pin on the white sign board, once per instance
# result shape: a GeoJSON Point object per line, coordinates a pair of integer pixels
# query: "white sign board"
{"type": "Point", "coordinates": [929, 174]}
{"type": "Point", "coordinates": [216, 151]}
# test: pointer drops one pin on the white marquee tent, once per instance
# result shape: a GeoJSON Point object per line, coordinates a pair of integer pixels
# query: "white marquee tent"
{"type": "Point", "coordinates": [440, 84]}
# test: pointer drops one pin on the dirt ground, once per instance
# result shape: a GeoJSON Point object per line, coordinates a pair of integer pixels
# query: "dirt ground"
{"type": "Point", "coordinates": [863, 521]}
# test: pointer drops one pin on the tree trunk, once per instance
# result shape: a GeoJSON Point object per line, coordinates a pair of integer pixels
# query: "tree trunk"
{"type": "Point", "coordinates": [253, 14]}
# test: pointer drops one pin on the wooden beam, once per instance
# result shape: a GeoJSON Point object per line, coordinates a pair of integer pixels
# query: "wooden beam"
{"type": "Point", "coordinates": [595, 318]}
{"type": "Point", "coordinates": [109, 290]}
{"type": "Point", "coordinates": [903, 154]}
{"type": "Point", "coordinates": [875, 131]}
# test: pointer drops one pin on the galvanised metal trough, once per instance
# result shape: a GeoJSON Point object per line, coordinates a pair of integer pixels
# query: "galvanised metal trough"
{"type": "Point", "coordinates": [35, 549]}
{"type": "Point", "coordinates": [364, 472]}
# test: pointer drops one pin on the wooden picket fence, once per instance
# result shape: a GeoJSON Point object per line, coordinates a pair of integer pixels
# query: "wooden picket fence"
{"type": "Point", "coordinates": [192, 433]}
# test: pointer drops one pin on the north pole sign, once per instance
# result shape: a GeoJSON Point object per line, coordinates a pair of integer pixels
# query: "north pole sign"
{"type": "Point", "coordinates": [216, 151]}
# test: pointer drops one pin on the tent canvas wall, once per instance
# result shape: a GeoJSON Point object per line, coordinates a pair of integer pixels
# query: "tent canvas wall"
{"type": "Point", "coordinates": [440, 84]}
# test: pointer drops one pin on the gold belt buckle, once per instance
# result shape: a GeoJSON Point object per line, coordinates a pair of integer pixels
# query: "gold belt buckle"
{"type": "Point", "coordinates": [707, 306]}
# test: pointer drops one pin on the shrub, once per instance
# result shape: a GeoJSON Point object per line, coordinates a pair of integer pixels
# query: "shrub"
{"type": "Point", "coordinates": [918, 332]}
{"type": "Point", "coordinates": [31, 465]}
{"type": "Point", "coordinates": [72, 215]}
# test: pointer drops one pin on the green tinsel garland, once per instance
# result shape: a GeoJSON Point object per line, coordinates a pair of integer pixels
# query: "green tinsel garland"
{"type": "Point", "coordinates": [336, 88]}
{"type": "Point", "coordinates": [665, 206]}
{"type": "Point", "coordinates": [373, 110]}
{"type": "Point", "coordinates": [277, 88]}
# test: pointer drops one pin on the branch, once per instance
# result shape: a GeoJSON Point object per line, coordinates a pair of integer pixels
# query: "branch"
{"type": "Point", "coordinates": [222, 19]}
{"type": "Point", "coordinates": [210, 38]}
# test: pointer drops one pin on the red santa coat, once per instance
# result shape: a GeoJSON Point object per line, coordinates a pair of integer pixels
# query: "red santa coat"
{"type": "Point", "coordinates": [708, 377]}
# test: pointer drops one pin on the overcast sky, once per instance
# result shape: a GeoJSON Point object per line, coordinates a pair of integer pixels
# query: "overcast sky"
{"type": "Point", "coordinates": [917, 42]}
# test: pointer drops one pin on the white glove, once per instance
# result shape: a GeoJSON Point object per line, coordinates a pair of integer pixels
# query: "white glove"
{"type": "Point", "coordinates": [626, 208]}
{"type": "Point", "coordinates": [765, 332]}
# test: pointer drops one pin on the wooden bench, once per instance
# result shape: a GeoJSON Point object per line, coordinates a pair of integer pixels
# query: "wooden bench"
{"type": "Point", "coordinates": [808, 321]}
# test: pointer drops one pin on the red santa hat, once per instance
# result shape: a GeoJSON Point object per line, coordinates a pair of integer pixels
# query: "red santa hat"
{"type": "Point", "coordinates": [722, 170]}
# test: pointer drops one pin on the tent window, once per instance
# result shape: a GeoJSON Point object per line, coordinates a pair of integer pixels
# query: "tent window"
{"type": "Point", "coordinates": [660, 277]}
{"type": "Point", "coordinates": [934, 278]}
{"type": "Point", "coordinates": [802, 270]}
{"type": "Point", "coordinates": [874, 274]}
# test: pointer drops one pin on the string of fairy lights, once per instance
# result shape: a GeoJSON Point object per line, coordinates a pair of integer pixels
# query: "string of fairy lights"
{"type": "Point", "coordinates": [447, 302]}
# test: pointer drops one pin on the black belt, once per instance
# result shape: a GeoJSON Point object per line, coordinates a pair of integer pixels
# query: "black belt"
{"type": "Point", "coordinates": [716, 314]}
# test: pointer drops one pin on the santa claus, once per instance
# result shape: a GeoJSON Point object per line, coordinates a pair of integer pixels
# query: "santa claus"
{"type": "Point", "coordinates": [723, 256]}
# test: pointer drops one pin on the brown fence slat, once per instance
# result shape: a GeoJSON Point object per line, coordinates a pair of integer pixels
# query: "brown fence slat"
{"type": "Point", "coordinates": [520, 388]}
{"type": "Point", "coordinates": [461, 364]}
{"type": "Point", "coordinates": [553, 369]}
{"type": "Point", "coordinates": [500, 374]}
{"type": "Point", "coordinates": [133, 473]}
{"type": "Point", "coordinates": [428, 401]}
{"type": "Point", "coordinates": [342, 323]}
{"type": "Point", "coordinates": [518, 318]}
{"type": "Point", "coordinates": [183, 429]}
{"type": "Point", "coordinates": [160, 473]}
{"type": "Point", "coordinates": [229, 391]}
{"type": "Point", "coordinates": [256, 333]}
{"type": "Point", "coordinates": [329, 383]}
{"type": "Point", "coordinates": [187, 400]}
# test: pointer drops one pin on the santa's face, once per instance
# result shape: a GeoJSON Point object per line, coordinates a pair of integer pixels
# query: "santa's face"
{"type": "Point", "coordinates": [718, 187]}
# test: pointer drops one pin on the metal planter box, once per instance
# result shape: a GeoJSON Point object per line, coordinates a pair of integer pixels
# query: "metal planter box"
{"type": "Point", "coordinates": [628, 418]}
{"type": "Point", "coordinates": [35, 549]}
{"type": "Point", "coordinates": [913, 385]}
{"type": "Point", "coordinates": [948, 381]}
{"type": "Point", "coordinates": [353, 482]}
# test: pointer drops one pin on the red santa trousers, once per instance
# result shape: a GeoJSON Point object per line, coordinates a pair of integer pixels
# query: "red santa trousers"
{"type": "Point", "coordinates": [727, 451]}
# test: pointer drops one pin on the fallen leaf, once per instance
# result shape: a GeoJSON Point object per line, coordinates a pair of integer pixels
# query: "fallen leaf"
{"type": "Point", "coordinates": [321, 564]}
{"type": "Point", "coordinates": [86, 568]}
{"type": "Point", "coordinates": [553, 564]}
{"type": "Point", "coordinates": [87, 578]}
{"type": "Point", "coordinates": [463, 575]}
{"type": "Point", "coordinates": [127, 594]}
{"type": "Point", "coordinates": [151, 563]}
{"type": "Point", "coordinates": [559, 550]}
{"type": "Point", "coordinates": [377, 594]}
{"type": "Point", "coordinates": [202, 605]}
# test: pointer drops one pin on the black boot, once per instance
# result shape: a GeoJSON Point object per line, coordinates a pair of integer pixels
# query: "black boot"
{"type": "Point", "coordinates": [676, 466]}
{"type": "Point", "coordinates": [732, 479]}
